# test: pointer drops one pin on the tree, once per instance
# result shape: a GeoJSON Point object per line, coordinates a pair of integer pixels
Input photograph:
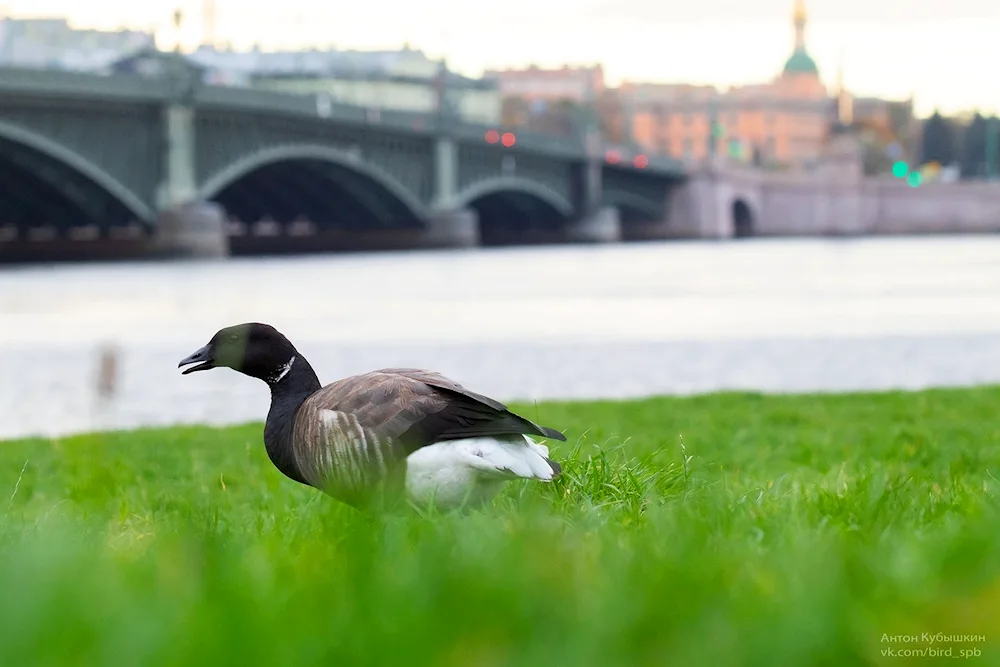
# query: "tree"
{"type": "Point", "coordinates": [875, 158]}
{"type": "Point", "coordinates": [939, 144]}
{"type": "Point", "coordinates": [973, 159]}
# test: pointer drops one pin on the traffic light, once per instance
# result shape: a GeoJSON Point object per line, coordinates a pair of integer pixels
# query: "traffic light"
{"type": "Point", "coordinates": [900, 169]}
{"type": "Point", "coordinates": [914, 179]}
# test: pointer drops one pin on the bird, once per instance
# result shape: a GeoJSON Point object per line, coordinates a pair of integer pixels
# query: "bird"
{"type": "Point", "coordinates": [381, 438]}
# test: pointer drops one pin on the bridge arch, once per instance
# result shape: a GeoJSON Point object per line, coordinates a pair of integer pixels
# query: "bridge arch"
{"type": "Point", "coordinates": [634, 208]}
{"type": "Point", "coordinates": [510, 184]}
{"type": "Point", "coordinates": [512, 209]}
{"type": "Point", "coordinates": [295, 181]}
{"type": "Point", "coordinates": [41, 178]}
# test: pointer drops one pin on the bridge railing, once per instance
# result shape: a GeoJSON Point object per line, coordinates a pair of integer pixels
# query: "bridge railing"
{"type": "Point", "coordinates": [321, 106]}
{"type": "Point", "coordinates": [16, 81]}
{"type": "Point", "coordinates": [161, 89]}
{"type": "Point", "coordinates": [571, 146]}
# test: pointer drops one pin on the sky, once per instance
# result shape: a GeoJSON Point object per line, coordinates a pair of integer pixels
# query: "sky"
{"type": "Point", "coordinates": [934, 50]}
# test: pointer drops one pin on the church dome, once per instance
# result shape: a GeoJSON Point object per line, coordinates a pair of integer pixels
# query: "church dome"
{"type": "Point", "coordinates": [801, 62]}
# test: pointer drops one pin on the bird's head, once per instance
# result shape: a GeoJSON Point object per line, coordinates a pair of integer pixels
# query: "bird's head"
{"type": "Point", "coordinates": [254, 349]}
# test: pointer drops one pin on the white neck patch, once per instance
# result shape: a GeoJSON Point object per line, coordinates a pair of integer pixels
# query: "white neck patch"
{"type": "Point", "coordinates": [284, 371]}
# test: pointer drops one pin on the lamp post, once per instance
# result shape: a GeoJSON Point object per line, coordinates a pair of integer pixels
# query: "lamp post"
{"type": "Point", "coordinates": [713, 127]}
{"type": "Point", "coordinates": [992, 144]}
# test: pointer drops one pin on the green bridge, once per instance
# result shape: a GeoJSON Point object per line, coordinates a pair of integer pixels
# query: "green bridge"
{"type": "Point", "coordinates": [88, 157]}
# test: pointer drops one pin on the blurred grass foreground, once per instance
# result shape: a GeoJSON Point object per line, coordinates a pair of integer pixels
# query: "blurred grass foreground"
{"type": "Point", "coordinates": [728, 529]}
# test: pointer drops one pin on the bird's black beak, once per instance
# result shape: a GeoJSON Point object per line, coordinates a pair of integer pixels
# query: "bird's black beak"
{"type": "Point", "coordinates": [204, 356]}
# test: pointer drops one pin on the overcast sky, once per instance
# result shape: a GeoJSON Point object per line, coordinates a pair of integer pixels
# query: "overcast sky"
{"type": "Point", "coordinates": [936, 50]}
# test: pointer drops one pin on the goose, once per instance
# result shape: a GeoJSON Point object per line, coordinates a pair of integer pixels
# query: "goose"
{"type": "Point", "coordinates": [382, 437]}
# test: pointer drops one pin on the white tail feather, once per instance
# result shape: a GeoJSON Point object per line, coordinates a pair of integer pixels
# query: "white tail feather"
{"type": "Point", "coordinates": [538, 447]}
{"type": "Point", "coordinates": [519, 457]}
{"type": "Point", "coordinates": [460, 468]}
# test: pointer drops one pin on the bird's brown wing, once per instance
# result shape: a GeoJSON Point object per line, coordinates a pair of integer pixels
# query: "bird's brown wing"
{"type": "Point", "coordinates": [464, 413]}
{"type": "Point", "coordinates": [353, 431]}
{"type": "Point", "coordinates": [417, 408]}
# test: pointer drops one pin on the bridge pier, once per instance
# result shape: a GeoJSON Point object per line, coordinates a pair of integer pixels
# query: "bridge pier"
{"type": "Point", "coordinates": [449, 226]}
{"type": "Point", "coordinates": [445, 172]}
{"type": "Point", "coordinates": [185, 227]}
{"type": "Point", "coordinates": [195, 230]}
{"type": "Point", "coordinates": [603, 225]}
{"type": "Point", "coordinates": [599, 224]}
{"type": "Point", "coordinates": [457, 228]}
{"type": "Point", "coordinates": [657, 230]}
{"type": "Point", "coordinates": [677, 223]}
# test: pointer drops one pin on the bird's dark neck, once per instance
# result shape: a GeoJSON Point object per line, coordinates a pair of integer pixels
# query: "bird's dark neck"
{"type": "Point", "coordinates": [290, 387]}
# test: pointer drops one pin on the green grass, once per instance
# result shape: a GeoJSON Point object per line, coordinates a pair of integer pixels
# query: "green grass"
{"type": "Point", "coordinates": [788, 530]}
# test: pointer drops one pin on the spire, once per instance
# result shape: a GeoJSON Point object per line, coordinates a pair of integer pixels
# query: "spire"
{"type": "Point", "coordinates": [208, 16]}
{"type": "Point", "coordinates": [800, 61]}
{"type": "Point", "coordinates": [799, 21]}
{"type": "Point", "coordinates": [845, 104]}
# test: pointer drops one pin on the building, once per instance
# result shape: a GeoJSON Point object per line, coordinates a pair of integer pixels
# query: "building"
{"type": "Point", "coordinates": [472, 100]}
{"type": "Point", "coordinates": [53, 44]}
{"type": "Point", "coordinates": [374, 83]}
{"type": "Point", "coordinates": [785, 122]}
{"type": "Point", "coordinates": [152, 62]}
{"type": "Point", "coordinates": [535, 84]}
{"type": "Point", "coordinates": [241, 66]}
{"type": "Point", "coordinates": [549, 100]}
{"type": "Point", "coordinates": [403, 80]}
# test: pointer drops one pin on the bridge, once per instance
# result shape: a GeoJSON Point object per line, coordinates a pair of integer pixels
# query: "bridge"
{"type": "Point", "coordinates": [162, 158]}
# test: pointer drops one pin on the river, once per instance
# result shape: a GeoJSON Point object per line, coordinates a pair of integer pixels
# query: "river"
{"type": "Point", "coordinates": [517, 323]}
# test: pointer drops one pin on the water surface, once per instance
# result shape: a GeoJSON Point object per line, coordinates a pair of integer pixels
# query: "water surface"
{"type": "Point", "coordinates": [528, 323]}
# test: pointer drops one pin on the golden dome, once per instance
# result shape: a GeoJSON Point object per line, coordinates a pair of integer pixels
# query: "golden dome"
{"type": "Point", "coordinates": [800, 11]}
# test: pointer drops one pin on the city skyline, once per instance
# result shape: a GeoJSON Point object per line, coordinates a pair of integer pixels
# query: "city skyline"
{"type": "Point", "coordinates": [895, 50]}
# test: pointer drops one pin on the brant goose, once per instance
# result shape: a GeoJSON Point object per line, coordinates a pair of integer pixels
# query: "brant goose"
{"type": "Point", "coordinates": [380, 437]}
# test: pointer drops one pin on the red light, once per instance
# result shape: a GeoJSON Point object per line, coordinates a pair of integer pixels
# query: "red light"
{"type": "Point", "coordinates": [492, 136]}
{"type": "Point", "coordinates": [640, 161]}
{"type": "Point", "coordinates": [613, 156]}
{"type": "Point", "coordinates": [508, 139]}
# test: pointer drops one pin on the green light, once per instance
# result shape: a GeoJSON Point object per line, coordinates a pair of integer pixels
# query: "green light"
{"type": "Point", "coordinates": [900, 169]}
{"type": "Point", "coordinates": [914, 179]}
